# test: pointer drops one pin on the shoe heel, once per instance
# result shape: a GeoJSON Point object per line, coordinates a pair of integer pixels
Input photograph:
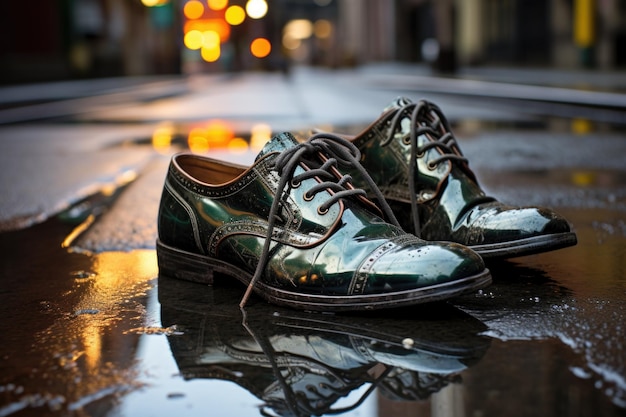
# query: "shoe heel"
{"type": "Point", "coordinates": [179, 264]}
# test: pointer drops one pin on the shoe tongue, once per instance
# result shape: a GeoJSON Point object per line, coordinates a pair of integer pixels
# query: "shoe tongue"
{"type": "Point", "coordinates": [397, 104]}
{"type": "Point", "coordinates": [425, 117]}
{"type": "Point", "coordinates": [278, 143]}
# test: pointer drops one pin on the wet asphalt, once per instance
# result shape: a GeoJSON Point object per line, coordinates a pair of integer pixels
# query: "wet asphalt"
{"type": "Point", "coordinates": [91, 329]}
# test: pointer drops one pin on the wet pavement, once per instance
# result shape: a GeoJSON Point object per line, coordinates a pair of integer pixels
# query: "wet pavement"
{"type": "Point", "coordinates": [90, 328]}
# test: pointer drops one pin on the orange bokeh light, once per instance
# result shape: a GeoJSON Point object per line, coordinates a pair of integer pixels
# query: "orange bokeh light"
{"type": "Point", "coordinates": [209, 25]}
{"type": "Point", "coordinates": [197, 140]}
{"type": "Point", "coordinates": [260, 47]}
{"type": "Point", "coordinates": [193, 9]}
{"type": "Point", "coordinates": [237, 145]}
{"type": "Point", "coordinates": [216, 134]}
{"type": "Point", "coordinates": [219, 133]}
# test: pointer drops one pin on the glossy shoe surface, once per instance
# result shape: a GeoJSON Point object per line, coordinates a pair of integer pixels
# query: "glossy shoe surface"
{"type": "Point", "coordinates": [414, 159]}
{"type": "Point", "coordinates": [297, 232]}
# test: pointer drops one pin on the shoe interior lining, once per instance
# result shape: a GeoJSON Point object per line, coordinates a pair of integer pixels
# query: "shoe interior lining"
{"type": "Point", "coordinates": [210, 171]}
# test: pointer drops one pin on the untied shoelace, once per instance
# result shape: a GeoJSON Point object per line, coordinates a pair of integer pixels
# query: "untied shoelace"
{"type": "Point", "coordinates": [298, 405]}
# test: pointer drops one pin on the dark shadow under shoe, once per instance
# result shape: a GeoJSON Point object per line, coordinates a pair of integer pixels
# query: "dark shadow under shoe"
{"type": "Point", "coordinates": [413, 157]}
{"type": "Point", "coordinates": [301, 364]}
{"type": "Point", "coordinates": [298, 233]}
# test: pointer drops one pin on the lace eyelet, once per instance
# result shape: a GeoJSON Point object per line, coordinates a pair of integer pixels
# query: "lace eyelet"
{"type": "Point", "coordinates": [307, 197]}
{"type": "Point", "coordinates": [295, 184]}
{"type": "Point", "coordinates": [406, 140]}
{"type": "Point", "coordinates": [431, 166]}
{"type": "Point", "coordinates": [322, 211]}
{"type": "Point", "coordinates": [421, 154]}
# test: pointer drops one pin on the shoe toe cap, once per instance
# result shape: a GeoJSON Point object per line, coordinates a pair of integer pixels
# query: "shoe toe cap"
{"type": "Point", "coordinates": [503, 223]}
{"type": "Point", "coordinates": [423, 265]}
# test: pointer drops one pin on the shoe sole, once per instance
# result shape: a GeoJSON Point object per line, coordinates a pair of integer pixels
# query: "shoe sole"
{"type": "Point", "coordinates": [188, 266]}
{"type": "Point", "coordinates": [527, 246]}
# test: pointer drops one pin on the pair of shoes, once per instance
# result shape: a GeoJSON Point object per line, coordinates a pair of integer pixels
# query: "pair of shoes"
{"type": "Point", "coordinates": [303, 364]}
{"type": "Point", "coordinates": [300, 233]}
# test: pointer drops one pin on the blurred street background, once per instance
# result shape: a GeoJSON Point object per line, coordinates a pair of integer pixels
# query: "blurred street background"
{"type": "Point", "coordinates": [96, 95]}
{"type": "Point", "coordinates": [69, 39]}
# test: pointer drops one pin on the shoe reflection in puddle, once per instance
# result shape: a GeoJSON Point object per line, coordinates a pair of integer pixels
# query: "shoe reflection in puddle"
{"type": "Point", "coordinates": [301, 363]}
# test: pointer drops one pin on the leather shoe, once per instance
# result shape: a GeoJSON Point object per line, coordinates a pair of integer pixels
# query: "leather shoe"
{"type": "Point", "coordinates": [298, 233]}
{"type": "Point", "coordinates": [412, 155]}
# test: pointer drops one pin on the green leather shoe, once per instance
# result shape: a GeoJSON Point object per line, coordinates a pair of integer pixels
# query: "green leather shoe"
{"type": "Point", "coordinates": [414, 159]}
{"type": "Point", "coordinates": [296, 232]}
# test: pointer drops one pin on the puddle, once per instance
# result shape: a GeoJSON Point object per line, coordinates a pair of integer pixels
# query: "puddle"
{"type": "Point", "coordinates": [65, 348]}
{"type": "Point", "coordinates": [100, 334]}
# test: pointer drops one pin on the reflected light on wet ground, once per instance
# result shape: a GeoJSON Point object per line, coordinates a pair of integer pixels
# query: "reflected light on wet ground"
{"type": "Point", "coordinates": [99, 334]}
{"type": "Point", "coordinates": [68, 338]}
{"type": "Point", "coordinates": [210, 136]}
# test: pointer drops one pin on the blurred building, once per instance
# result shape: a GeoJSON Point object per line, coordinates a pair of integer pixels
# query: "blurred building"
{"type": "Point", "coordinates": [558, 33]}
{"type": "Point", "coordinates": [60, 39]}
{"type": "Point", "coordinates": [44, 40]}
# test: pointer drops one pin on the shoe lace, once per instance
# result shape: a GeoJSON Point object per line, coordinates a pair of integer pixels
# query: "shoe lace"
{"type": "Point", "coordinates": [335, 152]}
{"type": "Point", "coordinates": [426, 119]}
{"type": "Point", "coordinates": [300, 406]}
{"type": "Point", "coordinates": [408, 385]}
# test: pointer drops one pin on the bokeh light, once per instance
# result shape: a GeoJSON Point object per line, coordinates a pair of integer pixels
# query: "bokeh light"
{"type": "Point", "coordinates": [217, 4]}
{"type": "Point", "coordinates": [219, 133]}
{"type": "Point", "coordinates": [581, 126]}
{"type": "Point", "coordinates": [208, 23]}
{"type": "Point", "coordinates": [256, 9]}
{"type": "Point", "coordinates": [291, 43]}
{"type": "Point", "coordinates": [299, 29]}
{"type": "Point", "coordinates": [154, 3]}
{"type": "Point", "coordinates": [162, 137]}
{"type": "Point", "coordinates": [583, 178]}
{"type": "Point", "coordinates": [322, 29]}
{"type": "Point", "coordinates": [211, 54]}
{"type": "Point", "coordinates": [294, 33]}
{"type": "Point", "coordinates": [210, 39]}
{"type": "Point", "coordinates": [193, 39]}
{"type": "Point", "coordinates": [193, 9]}
{"type": "Point", "coordinates": [203, 25]}
{"type": "Point", "coordinates": [197, 140]}
{"type": "Point", "coordinates": [260, 47]}
{"type": "Point", "coordinates": [259, 135]}
{"type": "Point", "coordinates": [235, 15]}
{"type": "Point", "coordinates": [237, 145]}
